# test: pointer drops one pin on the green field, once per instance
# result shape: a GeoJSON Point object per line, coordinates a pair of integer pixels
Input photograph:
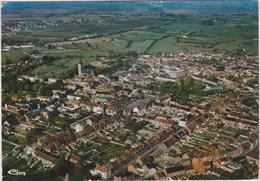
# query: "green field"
{"type": "Point", "coordinates": [14, 55]}
{"type": "Point", "coordinates": [142, 29]}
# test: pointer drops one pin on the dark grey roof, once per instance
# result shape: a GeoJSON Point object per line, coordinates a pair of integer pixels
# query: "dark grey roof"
{"type": "Point", "coordinates": [175, 169]}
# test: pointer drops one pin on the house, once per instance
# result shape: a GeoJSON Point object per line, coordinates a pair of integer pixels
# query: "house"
{"type": "Point", "coordinates": [253, 157]}
{"type": "Point", "coordinates": [185, 159]}
{"type": "Point", "coordinates": [164, 98]}
{"type": "Point", "coordinates": [71, 97]}
{"type": "Point", "coordinates": [46, 159]}
{"type": "Point", "coordinates": [89, 122]}
{"type": "Point", "coordinates": [174, 73]}
{"type": "Point", "coordinates": [144, 159]}
{"type": "Point", "coordinates": [98, 109]}
{"type": "Point", "coordinates": [77, 126]}
{"type": "Point", "coordinates": [132, 168]}
{"type": "Point", "coordinates": [74, 159]}
{"type": "Point", "coordinates": [104, 88]}
{"type": "Point", "coordinates": [11, 108]}
{"type": "Point", "coordinates": [160, 176]}
{"type": "Point", "coordinates": [125, 176]}
{"type": "Point", "coordinates": [207, 164]}
{"type": "Point", "coordinates": [221, 161]}
{"type": "Point", "coordinates": [171, 141]}
{"type": "Point", "coordinates": [198, 165]}
{"type": "Point", "coordinates": [28, 97]}
{"type": "Point", "coordinates": [111, 110]}
{"type": "Point", "coordinates": [162, 148]}
{"type": "Point", "coordinates": [103, 170]}
{"type": "Point", "coordinates": [14, 98]}
{"type": "Point", "coordinates": [32, 78]}
{"type": "Point", "coordinates": [71, 87]}
{"type": "Point", "coordinates": [217, 163]}
{"type": "Point", "coordinates": [45, 115]}
{"type": "Point", "coordinates": [74, 102]}
{"type": "Point", "coordinates": [175, 171]}
{"type": "Point", "coordinates": [52, 80]}
{"type": "Point", "coordinates": [162, 121]}
{"type": "Point", "coordinates": [191, 125]}
{"type": "Point", "coordinates": [44, 98]}
{"type": "Point", "coordinates": [189, 169]}
{"type": "Point", "coordinates": [149, 168]}
{"type": "Point", "coordinates": [22, 129]}
{"type": "Point", "coordinates": [139, 110]}
{"type": "Point", "coordinates": [212, 153]}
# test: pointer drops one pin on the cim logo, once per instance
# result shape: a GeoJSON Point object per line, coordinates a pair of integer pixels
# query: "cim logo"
{"type": "Point", "coordinates": [15, 172]}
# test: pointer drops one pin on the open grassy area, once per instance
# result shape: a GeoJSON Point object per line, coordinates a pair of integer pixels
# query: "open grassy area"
{"type": "Point", "coordinates": [15, 139]}
{"type": "Point", "coordinates": [137, 36]}
{"type": "Point", "coordinates": [104, 150]}
{"type": "Point", "coordinates": [7, 147]}
{"type": "Point", "coordinates": [13, 55]}
{"type": "Point", "coordinates": [108, 151]}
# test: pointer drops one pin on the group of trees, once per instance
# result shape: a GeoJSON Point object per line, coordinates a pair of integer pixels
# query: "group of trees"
{"type": "Point", "coordinates": [48, 59]}
{"type": "Point", "coordinates": [115, 66]}
{"type": "Point", "coordinates": [34, 88]}
{"type": "Point", "coordinates": [62, 122]}
{"type": "Point", "coordinates": [33, 134]}
{"type": "Point", "coordinates": [135, 125]}
{"type": "Point", "coordinates": [16, 40]}
{"type": "Point", "coordinates": [188, 86]}
{"type": "Point", "coordinates": [120, 55]}
{"type": "Point", "coordinates": [181, 91]}
{"type": "Point", "coordinates": [23, 58]}
{"type": "Point", "coordinates": [249, 101]}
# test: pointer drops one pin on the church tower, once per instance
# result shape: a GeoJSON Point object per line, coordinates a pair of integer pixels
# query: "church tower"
{"type": "Point", "coordinates": [80, 68]}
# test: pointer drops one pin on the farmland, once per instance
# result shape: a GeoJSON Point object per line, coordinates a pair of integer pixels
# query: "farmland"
{"type": "Point", "coordinates": [102, 30]}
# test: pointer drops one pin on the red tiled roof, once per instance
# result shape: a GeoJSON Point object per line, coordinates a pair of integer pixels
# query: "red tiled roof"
{"type": "Point", "coordinates": [45, 156]}
{"type": "Point", "coordinates": [188, 167]}
{"type": "Point", "coordinates": [75, 157]}
{"type": "Point", "coordinates": [218, 161]}
{"type": "Point", "coordinates": [170, 141]}
{"type": "Point", "coordinates": [103, 169]}
{"type": "Point", "coordinates": [164, 120]}
{"type": "Point", "coordinates": [253, 155]}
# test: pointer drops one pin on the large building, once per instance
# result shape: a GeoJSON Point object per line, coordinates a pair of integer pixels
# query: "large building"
{"type": "Point", "coordinates": [174, 73]}
{"type": "Point", "coordinates": [82, 70]}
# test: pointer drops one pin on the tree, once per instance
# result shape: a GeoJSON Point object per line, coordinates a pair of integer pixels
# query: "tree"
{"type": "Point", "coordinates": [9, 61]}
{"type": "Point", "coordinates": [187, 83]}
{"type": "Point", "coordinates": [44, 90]}
{"type": "Point", "coordinates": [61, 166]}
{"type": "Point", "coordinates": [249, 101]}
{"type": "Point", "coordinates": [33, 134]}
{"type": "Point", "coordinates": [197, 88]}
{"type": "Point", "coordinates": [25, 57]}
{"type": "Point", "coordinates": [34, 51]}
